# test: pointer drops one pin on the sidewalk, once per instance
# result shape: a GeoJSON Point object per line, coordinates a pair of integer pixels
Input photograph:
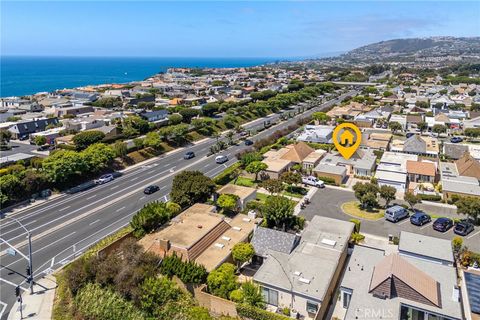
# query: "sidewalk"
{"type": "Point", "coordinates": [38, 306]}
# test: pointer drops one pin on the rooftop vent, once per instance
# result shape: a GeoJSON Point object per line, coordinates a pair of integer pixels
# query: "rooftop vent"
{"type": "Point", "coordinates": [329, 242]}
{"type": "Point", "coordinates": [237, 228]}
{"type": "Point", "coordinates": [226, 238]}
{"type": "Point", "coordinates": [219, 245]}
{"type": "Point", "coordinates": [246, 219]}
{"type": "Point", "coordinates": [297, 273]}
{"type": "Point", "coordinates": [304, 280]}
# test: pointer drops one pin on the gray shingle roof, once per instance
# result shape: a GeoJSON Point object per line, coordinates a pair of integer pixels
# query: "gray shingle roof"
{"type": "Point", "coordinates": [265, 239]}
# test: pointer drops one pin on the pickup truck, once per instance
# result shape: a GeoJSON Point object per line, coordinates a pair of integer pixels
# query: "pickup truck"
{"type": "Point", "coordinates": [313, 181]}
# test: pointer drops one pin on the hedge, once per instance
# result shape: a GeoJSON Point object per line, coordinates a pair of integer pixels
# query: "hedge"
{"type": "Point", "coordinates": [327, 180]}
{"type": "Point", "coordinates": [249, 312]}
{"type": "Point", "coordinates": [225, 176]}
{"type": "Point", "coordinates": [430, 197]}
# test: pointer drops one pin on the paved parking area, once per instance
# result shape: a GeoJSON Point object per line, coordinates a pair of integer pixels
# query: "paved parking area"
{"type": "Point", "coordinates": [22, 148]}
{"type": "Point", "coordinates": [327, 202]}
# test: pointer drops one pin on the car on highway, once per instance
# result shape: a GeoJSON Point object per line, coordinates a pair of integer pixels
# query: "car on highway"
{"type": "Point", "coordinates": [456, 140]}
{"type": "Point", "coordinates": [463, 228]}
{"type": "Point", "coordinates": [221, 159]}
{"type": "Point", "coordinates": [189, 155]}
{"type": "Point", "coordinates": [104, 178]}
{"type": "Point", "coordinates": [442, 224]}
{"type": "Point", "coordinates": [243, 134]}
{"type": "Point", "coordinates": [396, 213]}
{"type": "Point", "coordinates": [419, 218]}
{"type": "Point", "coordinates": [151, 189]}
{"type": "Point", "coordinates": [313, 181]}
{"type": "Point", "coordinates": [248, 142]}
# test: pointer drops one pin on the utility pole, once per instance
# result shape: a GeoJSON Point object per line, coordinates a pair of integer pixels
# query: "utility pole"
{"type": "Point", "coordinates": [29, 258]}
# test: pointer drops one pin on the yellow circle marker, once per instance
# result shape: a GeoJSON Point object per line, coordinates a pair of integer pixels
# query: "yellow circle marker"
{"type": "Point", "coordinates": [347, 138]}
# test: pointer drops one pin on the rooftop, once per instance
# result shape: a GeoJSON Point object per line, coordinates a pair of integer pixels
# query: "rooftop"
{"type": "Point", "coordinates": [265, 239]}
{"type": "Point", "coordinates": [240, 191]}
{"type": "Point", "coordinates": [412, 243]}
{"type": "Point", "coordinates": [421, 167]}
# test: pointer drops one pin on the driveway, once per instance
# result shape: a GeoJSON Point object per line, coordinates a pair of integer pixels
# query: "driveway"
{"type": "Point", "coordinates": [327, 202]}
{"type": "Point", "coordinates": [21, 147]}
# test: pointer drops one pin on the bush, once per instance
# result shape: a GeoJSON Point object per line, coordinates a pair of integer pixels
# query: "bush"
{"type": "Point", "coordinates": [150, 217]}
{"type": "Point", "coordinates": [188, 272]}
{"type": "Point", "coordinates": [190, 187]}
{"type": "Point", "coordinates": [328, 180]}
{"type": "Point", "coordinates": [430, 197]}
{"type": "Point", "coordinates": [250, 312]}
{"type": "Point", "coordinates": [94, 302]}
{"type": "Point", "coordinates": [357, 237]}
{"type": "Point", "coordinates": [222, 280]}
{"type": "Point", "coordinates": [86, 138]}
{"type": "Point", "coordinates": [357, 224]}
{"type": "Point", "coordinates": [226, 175]}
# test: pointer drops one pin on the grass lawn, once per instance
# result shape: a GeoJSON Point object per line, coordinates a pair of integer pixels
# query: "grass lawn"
{"type": "Point", "coordinates": [262, 197]}
{"type": "Point", "coordinates": [352, 208]}
{"type": "Point", "coordinates": [246, 182]}
{"type": "Point", "coordinates": [291, 194]}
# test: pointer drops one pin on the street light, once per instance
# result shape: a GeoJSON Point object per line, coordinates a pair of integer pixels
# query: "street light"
{"type": "Point", "coordinates": [29, 259]}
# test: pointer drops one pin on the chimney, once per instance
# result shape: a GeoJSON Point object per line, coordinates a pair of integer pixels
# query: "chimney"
{"type": "Point", "coordinates": [164, 244]}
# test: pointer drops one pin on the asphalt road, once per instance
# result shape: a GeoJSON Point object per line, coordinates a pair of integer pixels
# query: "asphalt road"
{"type": "Point", "coordinates": [68, 225]}
{"type": "Point", "coordinates": [327, 202]}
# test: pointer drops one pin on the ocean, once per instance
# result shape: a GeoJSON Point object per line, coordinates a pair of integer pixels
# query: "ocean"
{"type": "Point", "coordinates": [29, 75]}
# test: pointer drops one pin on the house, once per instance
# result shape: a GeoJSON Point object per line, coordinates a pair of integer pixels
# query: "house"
{"type": "Point", "coordinates": [22, 130]}
{"type": "Point", "coordinates": [392, 169]}
{"type": "Point", "coordinates": [75, 110]}
{"type": "Point", "coordinates": [471, 294]}
{"type": "Point", "coordinates": [454, 184]}
{"type": "Point", "coordinates": [472, 123]}
{"type": "Point", "coordinates": [312, 160]}
{"type": "Point", "coordinates": [282, 160]}
{"type": "Point", "coordinates": [50, 135]}
{"type": "Point", "coordinates": [468, 166]}
{"type": "Point", "coordinates": [305, 279]}
{"type": "Point", "coordinates": [317, 134]}
{"type": "Point", "coordinates": [413, 120]}
{"type": "Point", "coordinates": [400, 119]}
{"type": "Point", "coordinates": [377, 141]}
{"type": "Point", "coordinates": [244, 194]}
{"type": "Point", "coordinates": [421, 171]}
{"type": "Point", "coordinates": [199, 234]}
{"type": "Point", "coordinates": [416, 144]}
{"type": "Point", "coordinates": [265, 239]}
{"type": "Point", "coordinates": [411, 284]}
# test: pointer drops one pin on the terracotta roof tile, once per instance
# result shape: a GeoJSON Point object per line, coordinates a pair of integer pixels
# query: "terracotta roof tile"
{"type": "Point", "coordinates": [420, 167]}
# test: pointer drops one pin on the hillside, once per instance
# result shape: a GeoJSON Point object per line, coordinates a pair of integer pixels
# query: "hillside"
{"type": "Point", "coordinates": [417, 49]}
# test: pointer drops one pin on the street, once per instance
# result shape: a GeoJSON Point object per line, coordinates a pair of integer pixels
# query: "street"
{"type": "Point", "coordinates": [66, 226]}
{"type": "Point", "coordinates": [327, 202]}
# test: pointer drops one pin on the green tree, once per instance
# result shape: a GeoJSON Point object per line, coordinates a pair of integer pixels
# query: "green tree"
{"type": "Point", "coordinates": [98, 156]}
{"type": "Point", "coordinates": [64, 165]}
{"type": "Point", "coordinates": [228, 202]}
{"type": "Point", "coordinates": [10, 187]}
{"type": "Point", "coordinates": [248, 157]}
{"type": "Point", "coordinates": [412, 199]}
{"type": "Point", "coordinates": [40, 140]}
{"type": "Point", "coordinates": [242, 252]}
{"type": "Point", "coordinates": [422, 126]}
{"type": "Point", "coordinates": [5, 137]}
{"type": "Point", "coordinates": [387, 193]}
{"type": "Point", "coordinates": [83, 139]}
{"type": "Point", "coordinates": [190, 187]}
{"type": "Point", "coordinates": [188, 114]}
{"type": "Point", "coordinates": [369, 200]}
{"type": "Point", "coordinates": [457, 244]}
{"type": "Point", "coordinates": [175, 118]}
{"type": "Point", "coordinates": [222, 280]}
{"type": "Point", "coordinates": [256, 167]}
{"type": "Point", "coordinates": [469, 206]}
{"type": "Point", "coordinates": [120, 149]}
{"type": "Point", "coordinates": [395, 126]}
{"type": "Point", "coordinates": [34, 181]}
{"type": "Point", "coordinates": [291, 178]}
{"type": "Point", "coordinates": [272, 185]}
{"type": "Point", "coordinates": [321, 117]}
{"type": "Point", "coordinates": [278, 212]}
{"type": "Point", "coordinates": [109, 103]}
{"type": "Point", "coordinates": [366, 194]}
{"type": "Point", "coordinates": [153, 140]}
{"type": "Point", "coordinates": [156, 292]}
{"type": "Point", "coordinates": [439, 128]}
{"type": "Point", "coordinates": [150, 217]}
{"type": "Point", "coordinates": [252, 294]}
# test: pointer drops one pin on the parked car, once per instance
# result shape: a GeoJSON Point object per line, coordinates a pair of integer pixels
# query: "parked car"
{"type": "Point", "coordinates": [313, 181]}
{"type": "Point", "coordinates": [409, 134]}
{"type": "Point", "coordinates": [396, 213]}
{"type": "Point", "coordinates": [463, 228]}
{"type": "Point", "coordinates": [104, 178]}
{"type": "Point", "coordinates": [151, 189]}
{"type": "Point", "coordinates": [456, 140]}
{"type": "Point", "coordinates": [442, 224]}
{"type": "Point", "coordinates": [419, 218]}
{"type": "Point", "coordinates": [221, 159]}
{"type": "Point", "coordinates": [189, 155]}
{"type": "Point", "coordinates": [248, 142]}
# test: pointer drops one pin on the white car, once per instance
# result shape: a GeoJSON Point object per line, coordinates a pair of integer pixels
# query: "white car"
{"type": "Point", "coordinates": [104, 178]}
{"type": "Point", "coordinates": [221, 159]}
{"type": "Point", "coordinates": [313, 181]}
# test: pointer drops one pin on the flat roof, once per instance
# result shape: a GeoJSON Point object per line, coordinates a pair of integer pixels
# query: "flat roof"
{"type": "Point", "coordinates": [391, 176]}
{"type": "Point", "coordinates": [218, 252]}
{"type": "Point", "coordinates": [425, 246]}
{"type": "Point", "coordinates": [240, 191]}
{"type": "Point", "coordinates": [332, 169]}
{"type": "Point", "coordinates": [461, 184]}
{"type": "Point", "coordinates": [276, 165]}
{"type": "Point", "coordinates": [188, 227]}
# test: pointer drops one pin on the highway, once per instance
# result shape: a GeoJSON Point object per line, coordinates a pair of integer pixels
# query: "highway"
{"type": "Point", "coordinates": [66, 226]}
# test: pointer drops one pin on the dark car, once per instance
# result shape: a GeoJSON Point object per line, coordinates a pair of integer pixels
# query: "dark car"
{"type": "Point", "coordinates": [456, 140]}
{"type": "Point", "coordinates": [419, 218]}
{"type": "Point", "coordinates": [151, 189]}
{"type": "Point", "coordinates": [463, 228]}
{"type": "Point", "coordinates": [442, 224]}
{"type": "Point", "coordinates": [408, 135]}
{"type": "Point", "coordinates": [189, 155]}
{"type": "Point", "coordinates": [248, 142]}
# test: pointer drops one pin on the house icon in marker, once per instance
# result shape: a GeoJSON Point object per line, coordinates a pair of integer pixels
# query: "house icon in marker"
{"type": "Point", "coordinates": [346, 138]}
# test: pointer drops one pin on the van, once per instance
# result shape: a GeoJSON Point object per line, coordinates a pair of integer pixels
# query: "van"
{"type": "Point", "coordinates": [396, 213]}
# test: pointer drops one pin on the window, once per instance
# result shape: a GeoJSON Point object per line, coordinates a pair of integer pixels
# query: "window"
{"type": "Point", "coordinates": [347, 296]}
{"type": "Point", "coordinates": [312, 307]}
{"type": "Point", "coordinates": [270, 296]}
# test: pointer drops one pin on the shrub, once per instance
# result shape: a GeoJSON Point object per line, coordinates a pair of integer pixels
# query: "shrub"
{"type": "Point", "coordinates": [357, 224]}
{"type": "Point", "coordinates": [249, 312]}
{"type": "Point", "coordinates": [328, 180]}
{"type": "Point", "coordinates": [86, 138]}
{"type": "Point", "coordinates": [430, 197]}
{"type": "Point", "coordinates": [357, 237]}
{"type": "Point", "coordinates": [190, 187]}
{"type": "Point", "coordinates": [222, 280]}
{"type": "Point", "coordinates": [188, 272]}
{"type": "Point", "coordinates": [150, 217]}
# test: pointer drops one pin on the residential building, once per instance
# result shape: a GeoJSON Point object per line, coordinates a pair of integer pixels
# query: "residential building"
{"type": "Point", "coordinates": [471, 294]}
{"type": "Point", "coordinates": [75, 110]}
{"type": "Point", "coordinates": [22, 130]}
{"type": "Point", "coordinates": [416, 144]}
{"type": "Point", "coordinates": [411, 284]}
{"type": "Point", "coordinates": [266, 239]}
{"type": "Point", "coordinates": [244, 194]}
{"type": "Point", "coordinates": [279, 161]}
{"type": "Point", "coordinates": [317, 134]}
{"type": "Point", "coordinates": [421, 171]}
{"type": "Point", "coordinates": [361, 163]}
{"type": "Point", "coordinates": [392, 169]}
{"type": "Point", "coordinates": [305, 279]}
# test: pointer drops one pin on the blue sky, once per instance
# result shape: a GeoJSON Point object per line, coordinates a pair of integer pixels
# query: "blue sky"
{"type": "Point", "coordinates": [223, 29]}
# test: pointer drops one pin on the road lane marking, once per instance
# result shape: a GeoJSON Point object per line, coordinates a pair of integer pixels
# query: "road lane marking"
{"type": "Point", "coordinates": [91, 197]}
{"type": "Point", "coordinates": [133, 179]}
{"type": "Point", "coordinates": [142, 197]}
{"type": "Point", "coordinates": [120, 209]}
{"type": "Point", "coordinates": [166, 165]}
{"type": "Point", "coordinates": [114, 187]}
{"type": "Point", "coordinates": [208, 164]}
{"type": "Point", "coordinates": [473, 235]}
{"type": "Point", "coordinates": [12, 284]}
{"type": "Point", "coordinates": [163, 187]}
{"type": "Point", "coordinates": [64, 208]}
{"type": "Point", "coordinates": [91, 223]}
{"type": "Point", "coordinates": [17, 228]}
{"type": "Point", "coordinates": [4, 306]}
{"type": "Point", "coordinates": [403, 222]}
